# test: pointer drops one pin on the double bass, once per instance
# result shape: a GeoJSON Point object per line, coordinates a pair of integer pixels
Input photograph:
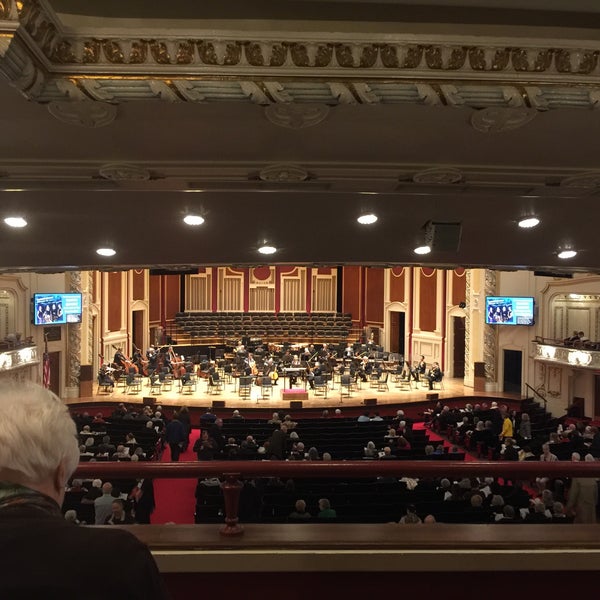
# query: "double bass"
{"type": "Point", "coordinates": [177, 364]}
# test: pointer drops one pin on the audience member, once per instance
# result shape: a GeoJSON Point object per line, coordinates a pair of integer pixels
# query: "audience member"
{"type": "Point", "coordinates": [38, 454]}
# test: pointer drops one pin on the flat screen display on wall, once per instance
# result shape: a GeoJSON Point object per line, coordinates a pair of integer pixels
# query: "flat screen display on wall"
{"type": "Point", "coordinates": [509, 310]}
{"type": "Point", "coordinates": [54, 309]}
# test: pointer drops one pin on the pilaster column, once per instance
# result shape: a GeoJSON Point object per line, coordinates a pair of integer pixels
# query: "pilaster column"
{"type": "Point", "coordinates": [490, 334]}
{"type": "Point", "coordinates": [73, 343]}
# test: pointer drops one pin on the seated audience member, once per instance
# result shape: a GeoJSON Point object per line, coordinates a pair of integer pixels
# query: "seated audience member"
{"type": "Point", "coordinates": [370, 450]}
{"type": "Point", "coordinates": [326, 457]}
{"type": "Point", "coordinates": [411, 517]}
{"type": "Point", "coordinates": [325, 510]}
{"type": "Point", "coordinates": [537, 513]}
{"type": "Point", "coordinates": [364, 418]}
{"type": "Point", "coordinates": [510, 452]}
{"type": "Point", "coordinates": [32, 528]}
{"type": "Point", "coordinates": [118, 515]}
{"type": "Point", "coordinates": [299, 514]}
{"type": "Point", "coordinates": [236, 415]}
{"type": "Point", "coordinates": [429, 520]}
{"type": "Point", "coordinates": [387, 454]}
{"type": "Point", "coordinates": [509, 515]}
{"type": "Point", "coordinates": [71, 517]}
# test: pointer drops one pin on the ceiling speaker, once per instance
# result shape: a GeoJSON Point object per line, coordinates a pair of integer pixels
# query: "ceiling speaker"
{"type": "Point", "coordinates": [443, 237]}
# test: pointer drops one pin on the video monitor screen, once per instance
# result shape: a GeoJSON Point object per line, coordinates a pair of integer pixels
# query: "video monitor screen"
{"type": "Point", "coordinates": [509, 310]}
{"type": "Point", "coordinates": [55, 309]}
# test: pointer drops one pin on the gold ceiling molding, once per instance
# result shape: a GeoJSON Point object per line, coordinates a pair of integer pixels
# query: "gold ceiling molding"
{"type": "Point", "coordinates": [229, 51]}
{"type": "Point", "coordinates": [48, 63]}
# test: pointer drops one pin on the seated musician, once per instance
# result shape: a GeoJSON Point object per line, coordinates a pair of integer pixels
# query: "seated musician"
{"type": "Point", "coordinates": [349, 351]}
{"type": "Point", "coordinates": [119, 358]}
{"type": "Point", "coordinates": [104, 377]}
{"type": "Point", "coordinates": [435, 374]}
{"type": "Point", "coordinates": [419, 369]}
{"type": "Point", "coordinates": [296, 364]}
{"type": "Point", "coordinates": [151, 356]}
{"type": "Point", "coordinates": [312, 372]}
{"type": "Point", "coordinates": [364, 368]}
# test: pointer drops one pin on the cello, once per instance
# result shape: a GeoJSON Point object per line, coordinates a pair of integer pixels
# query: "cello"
{"type": "Point", "coordinates": [177, 364]}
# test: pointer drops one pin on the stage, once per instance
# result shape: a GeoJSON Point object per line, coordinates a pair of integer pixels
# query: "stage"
{"type": "Point", "coordinates": [229, 397]}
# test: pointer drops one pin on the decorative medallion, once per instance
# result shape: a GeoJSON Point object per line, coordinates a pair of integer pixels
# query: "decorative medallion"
{"type": "Point", "coordinates": [124, 172]}
{"type": "Point", "coordinates": [496, 119]}
{"type": "Point", "coordinates": [283, 173]}
{"type": "Point", "coordinates": [441, 175]}
{"type": "Point", "coordinates": [84, 114]}
{"type": "Point", "coordinates": [296, 116]}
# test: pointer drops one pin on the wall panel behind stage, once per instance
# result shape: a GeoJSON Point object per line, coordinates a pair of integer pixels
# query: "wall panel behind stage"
{"type": "Point", "coordinates": [155, 298]}
{"type": "Point", "coordinates": [459, 286]}
{"type": "Point", "coordinates": [115, 291]}
{"type": "Point", "coordinates": [138, 278]}
{"type": "Point", "coordinates": [397, 283]}
{"type": "Point", "coordinates": [427, 298]}
{"type": "Point", "coordinates": [374, 287]}
{"type": "Point", "coordinates": [352, 292]}
{"type": "Point", "coordinates": [172, 295]}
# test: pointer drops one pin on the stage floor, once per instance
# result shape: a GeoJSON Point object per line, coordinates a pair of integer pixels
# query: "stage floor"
{"type": "Point", "coordinates": [453, 388]}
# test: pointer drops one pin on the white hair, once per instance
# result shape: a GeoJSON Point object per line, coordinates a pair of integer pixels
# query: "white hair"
{"type": "Point", "coordinates": [37, 433]}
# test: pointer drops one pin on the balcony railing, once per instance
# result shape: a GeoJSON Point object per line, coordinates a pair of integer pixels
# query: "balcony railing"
{"type": "Point", "coordinates": [233, 471]}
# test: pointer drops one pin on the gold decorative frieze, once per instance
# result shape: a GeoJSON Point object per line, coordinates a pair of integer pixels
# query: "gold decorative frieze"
{"type": "Point", "coordinates": [16, 359]}
{"type": "Point", "coordinates": [48, 62]}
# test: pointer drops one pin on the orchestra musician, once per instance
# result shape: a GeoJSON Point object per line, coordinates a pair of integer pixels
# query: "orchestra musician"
{"type": "Point", "coordinates": [349, 351]}
{"type": "Point", "coordinates": [119, 358]}
{"type": "Point", "coordinates": [105, 378]}
{"type": "Point", "coordinates": [419, 369]}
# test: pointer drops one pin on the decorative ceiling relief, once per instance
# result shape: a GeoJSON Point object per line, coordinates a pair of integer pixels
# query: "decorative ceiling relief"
{"type": "Point", "coordinates": [498, 119]}
{"type": "Point", "coordinates": [441, 175]}
{"type": "Point", "coordinates": [296, 116]}
{"type": "Point", "coordinates": [123, 172]}
{"type": "Point", "coordinates": [283, 173]}
{"type": "Point", "coordinates": [83, 114]}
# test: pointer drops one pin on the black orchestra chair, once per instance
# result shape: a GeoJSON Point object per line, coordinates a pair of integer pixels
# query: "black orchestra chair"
{"type": "Point", "coordinates": [374, 380]}
{"type": "Point", "coordinates": [155, 384]}
{"type": "Point", "coordinates": [245, 387]}
{"type": "Point", "coordinates": [215, 383]}
{"type": "Point", "coordinates": [133, 382]}
{"type": "Point", "coordinates": [166, 379]}
{"type": "Point", "coordinates": [187, 383]}
{"type": "Point", "coordinates": [347, 385]}
{"type": "Point", "coordinates": [266, 388]}
{"type": "Point", "coordinates": [382, 385]}
{"type": "Point", "coordinates": [321, 386]}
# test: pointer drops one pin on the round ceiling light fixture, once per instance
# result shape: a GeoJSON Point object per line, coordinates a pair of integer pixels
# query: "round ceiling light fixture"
{"type": "Point", "coordinates": [422, 250]}
{"type": "Point", "coordinates": [367, 219]}
{"type": "Point", "coordinates": [16, 222]}
{"type": "Point", "coordinates": [193, 220]}
{"type": "Point", "coordinates": [528, 222]}
{"type": "Point", "coordinates": [567, 253]}
{"type": "Point", "coordinates": [267, 249]}
{"type": "Point", "coordinates": [106, 251]}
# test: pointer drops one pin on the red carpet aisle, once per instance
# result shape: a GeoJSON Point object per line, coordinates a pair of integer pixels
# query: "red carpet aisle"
{"type": "Point", "coordinates": [175, 501]}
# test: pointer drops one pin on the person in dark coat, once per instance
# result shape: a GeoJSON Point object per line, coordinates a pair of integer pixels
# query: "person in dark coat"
{"type": "Point", "coordinates": [278, 443]}
{"type": "Point", "coordinates": [32, 528]}
{"type": "Point", "coordinates": [175, 436]}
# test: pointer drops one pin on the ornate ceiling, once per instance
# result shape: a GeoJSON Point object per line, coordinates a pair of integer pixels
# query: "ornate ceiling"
{"type": "Point", "coordinates": [283, 121]}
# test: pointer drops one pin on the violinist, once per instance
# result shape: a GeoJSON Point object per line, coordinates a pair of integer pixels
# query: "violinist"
{"type": "Point", "coordinates": [349, 351]}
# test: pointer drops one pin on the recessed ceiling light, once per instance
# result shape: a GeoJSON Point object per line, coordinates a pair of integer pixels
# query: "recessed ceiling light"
{"type": "Point", "coordinates": [266, 249]}
{"type": "Point", "coordinates": [564, 254]}
{"type": "Point", "coordinates": [106, 251]}
{"type": "Point", "coordinates": [528, 222]}
{"type": "Point", "coordinates": [15, 221]}
{"type": "Point", "coordinates": [422, 250]}
{"type": "Point", "coordinates": [367, 219]}
{"type": "Point", "coordinates": [193, 220]}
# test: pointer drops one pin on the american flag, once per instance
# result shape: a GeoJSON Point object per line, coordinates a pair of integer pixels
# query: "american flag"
{"type": "Point", "coordinates": [46, 371]}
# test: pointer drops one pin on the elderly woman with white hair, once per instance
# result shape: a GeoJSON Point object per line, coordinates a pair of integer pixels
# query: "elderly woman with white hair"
{"type": "Point", "coordinates": [38, 455]}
